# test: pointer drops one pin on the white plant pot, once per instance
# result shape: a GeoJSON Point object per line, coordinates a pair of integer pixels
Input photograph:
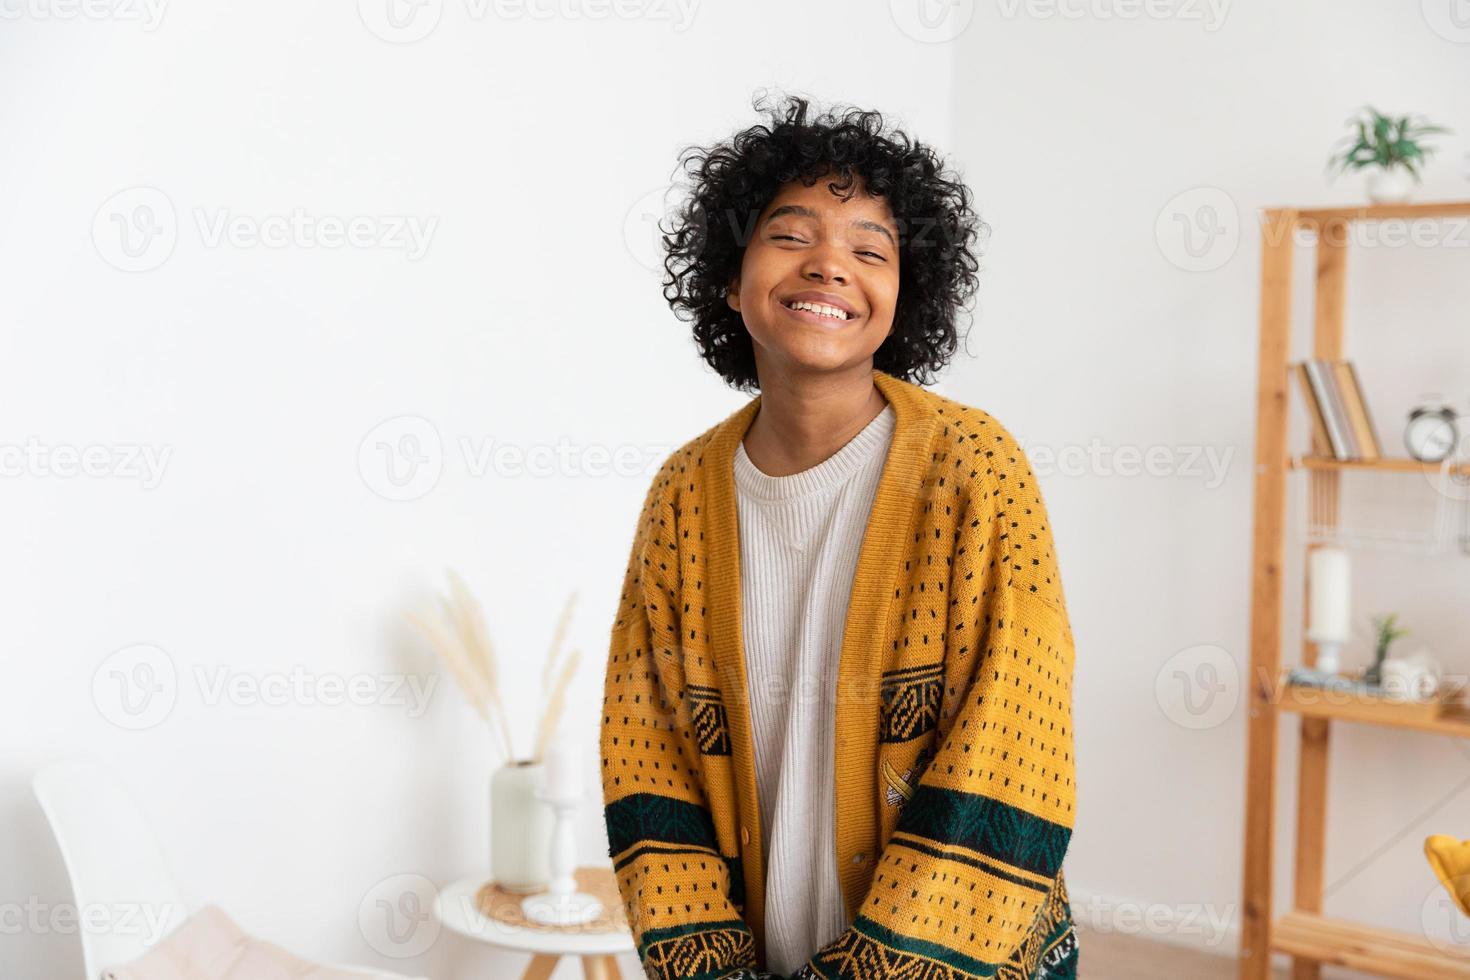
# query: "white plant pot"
{"type": "Point", "coordinates": [520, 828]}
{"type": "Point", "coordinates": [1389, 186]}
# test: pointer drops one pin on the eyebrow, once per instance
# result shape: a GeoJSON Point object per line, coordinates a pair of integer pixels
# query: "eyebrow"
{"type": "Point", "coordinates": [806, 212]}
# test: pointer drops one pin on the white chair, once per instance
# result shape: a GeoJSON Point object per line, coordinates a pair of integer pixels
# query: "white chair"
{"type": "Point", "coordinates": [114, 863]}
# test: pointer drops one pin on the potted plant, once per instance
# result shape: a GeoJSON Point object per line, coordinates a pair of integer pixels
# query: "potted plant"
{"type": "Point", "coordinates": [1389, 148]}
{"type": "Point", "coordinates": [1387, 633]}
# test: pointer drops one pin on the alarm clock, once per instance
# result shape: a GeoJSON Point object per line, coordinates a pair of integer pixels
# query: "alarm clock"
{"type": "Point", "coordinates": [1431, 433]}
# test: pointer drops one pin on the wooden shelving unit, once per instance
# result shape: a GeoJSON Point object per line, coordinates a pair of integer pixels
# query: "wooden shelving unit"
{"type": "Point", "coordinates": [1389, 464]}
{"type": "Point", "coordinates": [1305, 933]}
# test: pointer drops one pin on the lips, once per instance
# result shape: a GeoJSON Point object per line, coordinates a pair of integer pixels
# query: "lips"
{"type": "Point", "coordinates": [822, 299]}
{"type": "Point", "coordinates": [816, 319]}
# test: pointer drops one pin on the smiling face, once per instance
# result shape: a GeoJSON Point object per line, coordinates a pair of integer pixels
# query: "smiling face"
{"type": "Point", "coordinates": [819, 280]}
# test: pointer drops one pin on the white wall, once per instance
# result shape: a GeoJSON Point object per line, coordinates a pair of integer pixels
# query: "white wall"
{"type": "Point", "coordinates": [532, 152]}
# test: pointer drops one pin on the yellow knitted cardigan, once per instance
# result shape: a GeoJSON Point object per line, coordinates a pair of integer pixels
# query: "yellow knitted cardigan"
{"type": "Point", "coordinates": [954, 772]}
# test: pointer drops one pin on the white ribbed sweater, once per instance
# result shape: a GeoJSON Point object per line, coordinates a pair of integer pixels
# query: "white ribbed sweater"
{"type": "Point", "coordinates": [799, 541]}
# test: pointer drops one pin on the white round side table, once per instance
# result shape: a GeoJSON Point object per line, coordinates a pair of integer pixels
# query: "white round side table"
{"type": "Point", "coordinates": [456, 908]}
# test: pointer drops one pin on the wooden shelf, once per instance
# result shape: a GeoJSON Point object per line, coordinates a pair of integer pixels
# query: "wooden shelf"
{"type": "Point", "coordinates": [1305, 933]}
{"type": "Point", "coordinates": [1453, 720]}
{"type": "Point", "coordinates": [1393, 464]}
{"type": "Point", "coordinates": [1362, 947]}
{"type": "Point", "coordinates": [1380, 212]}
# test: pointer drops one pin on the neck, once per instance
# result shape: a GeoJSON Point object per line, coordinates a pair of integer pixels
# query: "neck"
{"type": "Point", "coordinates": [804, 419]}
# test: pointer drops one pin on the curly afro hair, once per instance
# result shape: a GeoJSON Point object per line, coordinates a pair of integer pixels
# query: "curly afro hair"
{"type": "Point", "coordinates": [730, 184]}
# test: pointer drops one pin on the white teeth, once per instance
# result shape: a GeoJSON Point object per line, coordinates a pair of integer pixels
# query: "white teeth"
{"type": "Point", "coordinates": [819, 308]}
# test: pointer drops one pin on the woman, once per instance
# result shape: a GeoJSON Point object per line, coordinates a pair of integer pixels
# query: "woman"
{"type": "Point", "coordinates": [837, 735]}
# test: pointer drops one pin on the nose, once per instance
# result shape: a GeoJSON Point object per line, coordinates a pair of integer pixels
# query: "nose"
{"type": "Point", "coordinates": [826, 264]}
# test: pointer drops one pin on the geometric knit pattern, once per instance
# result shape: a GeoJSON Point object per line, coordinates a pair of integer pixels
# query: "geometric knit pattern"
{"type": "Point", "coordinates": [710, 727]}
{"type": "Point", "coordinates": [954, 771]}
{"type": "Point", "coordinates": [911, 701]}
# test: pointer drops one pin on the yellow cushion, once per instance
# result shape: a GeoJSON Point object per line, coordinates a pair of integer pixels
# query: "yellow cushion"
{"type": "Point", "coordinates": [1450, 860]}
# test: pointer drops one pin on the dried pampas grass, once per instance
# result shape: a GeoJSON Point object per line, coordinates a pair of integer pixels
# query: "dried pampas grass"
{"type": "Point", "coordinates": [460, 638]}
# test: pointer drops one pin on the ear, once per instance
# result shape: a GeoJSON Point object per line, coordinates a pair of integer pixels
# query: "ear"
{"type": "Point", "coordinates": [732, 294]}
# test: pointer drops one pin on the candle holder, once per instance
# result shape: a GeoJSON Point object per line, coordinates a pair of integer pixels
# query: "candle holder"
{"type": "Point", "coordinates": [561, 904]}
{"type": "Point", "coordinates": [1328, 660]}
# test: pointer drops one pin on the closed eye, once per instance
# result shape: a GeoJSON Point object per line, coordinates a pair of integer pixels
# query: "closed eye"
{"type": "Point", "coordinates": [793, 238]}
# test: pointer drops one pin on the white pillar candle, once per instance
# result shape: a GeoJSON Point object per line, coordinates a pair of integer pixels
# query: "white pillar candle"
{"type": "Point", "coordinates": [563, 770]}
{"type": "Point", "coordinates": [1329, 596]}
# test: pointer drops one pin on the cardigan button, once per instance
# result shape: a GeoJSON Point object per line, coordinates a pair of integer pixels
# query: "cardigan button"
{"type": "Point", "coordinates": [859, 858]}
{"type": "Point", "coordinates": [745, 835]}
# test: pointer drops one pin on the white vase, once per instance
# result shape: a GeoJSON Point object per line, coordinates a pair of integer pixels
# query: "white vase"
{"type": "Point", "coordinates": [1389, 186]}
{"type": "Point", "coordinates": [520, 828]}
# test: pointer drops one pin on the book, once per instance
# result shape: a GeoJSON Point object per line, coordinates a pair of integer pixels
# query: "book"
{"type": "Point", "coordinates": [1321, 441]}
{"type": "Point", "coordinates": [1332, 418]}
{"type": "Point", "coordinates": [1339, 408]}
{"type": "Point", "coordinates": [1357, 409]}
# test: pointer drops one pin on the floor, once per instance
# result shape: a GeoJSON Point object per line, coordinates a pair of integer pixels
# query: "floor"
{"type": "Point", "coordinates": [1120, 956]}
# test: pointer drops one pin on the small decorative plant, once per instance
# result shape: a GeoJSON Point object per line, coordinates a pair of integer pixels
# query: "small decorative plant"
{"type": "Point", "coordinates": [1387, 633]}
{"type": "Point", "coordinates": [1391, 146]}
{"type": "Point", "coordinates": [462, 641]}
